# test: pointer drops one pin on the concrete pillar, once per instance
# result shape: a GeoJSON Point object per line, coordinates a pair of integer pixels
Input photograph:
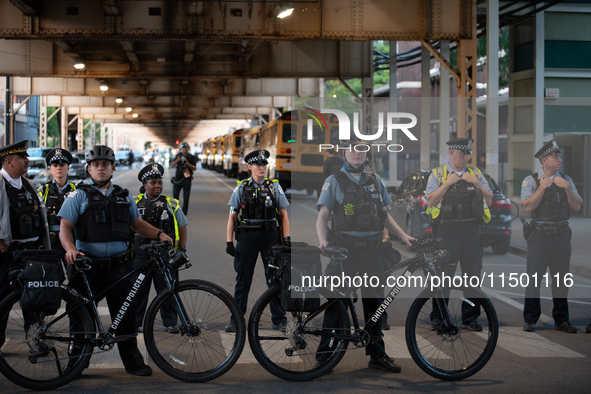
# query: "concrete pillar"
{"type": "Point", "coordinates": [80, 134]}
{"type": "Point", "coordinates": [444, 105]}
{"type": "Point", "coordinates": [64, 128]}
{"type": "Point", "coordinates": [425, 139]}
{"type": "Point", "coordinates": [393, 159]}
{"type": "Point", "coordinates": [492, 88]}
{"type": "Point", "coordinates": [8, 115]}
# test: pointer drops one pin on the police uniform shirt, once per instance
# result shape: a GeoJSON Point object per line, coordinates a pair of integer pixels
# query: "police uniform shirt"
{"type": "Point", "coordinates": [331, 192]}
{"type": "Point", "coordinates": [280, 199]}
{"type": "Point", "coordinates": [432, 184]}
{"type": "Point", "coordinates": [76, 203]}
{"type": "Point", "coordinates": [18, 184]}
{"type": "Point", "coordinates": [180, 217]}
{"type": "Point", "coordinates": [529, 186]}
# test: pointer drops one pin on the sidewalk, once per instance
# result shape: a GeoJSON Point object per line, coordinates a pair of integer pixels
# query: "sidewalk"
{"type": "Point", "coordinates": [580, 262]}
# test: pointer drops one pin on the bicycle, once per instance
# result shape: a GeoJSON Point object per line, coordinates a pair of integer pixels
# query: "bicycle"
{"type": "Point", "coordinates": [434, 335]}
{"type": "Point", "coordinates": [38, 351]}
{"type": "Point", "coordinates": [514, 210]}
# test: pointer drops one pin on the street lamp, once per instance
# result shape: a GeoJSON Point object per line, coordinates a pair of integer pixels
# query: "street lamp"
{"type": "Point", "coordinates": [128, 109]}
{"type": "Point", "coordinates": [118, 100]}
{"type": "Point", "coordinates": [79, 65]}
{"type": "Point", "coordinates": [284, 11]}
{"type": "Point", "coordinates": [103, 86]}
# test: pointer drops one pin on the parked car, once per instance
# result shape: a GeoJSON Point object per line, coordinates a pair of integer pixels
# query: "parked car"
{"type": "Point", "coordinates": [409, 210]}
{"type": "Point", "coordinates": [77, 169]}
{"type": "Point", "coordinates": [36, 165]}
{"type": "Point", "coordinates": [39, 152]}
{"type": "Point", "coordinates": [121, 158]}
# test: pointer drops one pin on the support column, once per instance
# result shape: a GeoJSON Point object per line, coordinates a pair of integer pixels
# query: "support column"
{"type": "Point", "coordinates": [93, 134]}
{"type": "Point", "coordinates": [367, 89]}
{"type": "Point", "coordinates": [444, 105]}
{"type": "Point", "coordinates": [80, 134]}
{"type": "Point", "coordinates": [586, 192]}
{"type": "Point", "coordinates": [538, 130]}
{"type": "Point", "coordinates": [103, 135]}
{"type": "Point", "coordinates": [8, 115]}
{"type": "Point", "coordinates": [64, 128]}
{"type": "Point", "coordinates": [492, 88]}
{"type": "Point", "coordinates": [425, 139]}
{"type": "Point", "coordinates": [43, 121]}
{"type": "Point", "coordinates": [393, 159]}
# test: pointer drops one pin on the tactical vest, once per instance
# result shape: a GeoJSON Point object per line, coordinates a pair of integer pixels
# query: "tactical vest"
{"type": "Point", "coordinates": [362, 206]}
{"type": "Point", "coordinates": [462, 201]}
{"type": "Point", "coordinates": [160, 214]}
{"type": "Point", "coordinates": [258, 203]}
{"type": "Point", "coordinates": [106, 219]}
{"type": "Point", "coordinates": [554, 205]}
{"type": "Point", "coordinates": [54, 200]}
{"type": "Point", "coordinates": [25, 214]}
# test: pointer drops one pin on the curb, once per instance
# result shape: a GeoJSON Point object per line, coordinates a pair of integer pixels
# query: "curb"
{"type": "Point", "coordinates": [575, 268]}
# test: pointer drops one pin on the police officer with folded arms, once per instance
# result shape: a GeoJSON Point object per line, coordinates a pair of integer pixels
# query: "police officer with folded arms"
{"type": "Point", "coordinates": [458, 197]}
{"type": "Point", "coordinates": [101, 214]}
{"type": "Point", "coordinates": [549, 196]}
{"type": "Point", "coordinates": [165, 214]}
{"type": "Point", "coordinates": [257, 213]}
{"type": "Point", "coordinates": [357, 201]}
{"type": "Point", "coordinates": [23, 216]}
{"type": "Point", "coordinates": [54, 192]}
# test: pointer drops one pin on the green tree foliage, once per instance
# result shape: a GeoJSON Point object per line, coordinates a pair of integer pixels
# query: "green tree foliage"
{"type": "Point", "coordinates": [148, 145]}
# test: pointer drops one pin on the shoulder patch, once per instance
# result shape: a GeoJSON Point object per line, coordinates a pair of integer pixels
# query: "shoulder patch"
{"type": "Point", "coordinates": [73, 193]}
{"type": "Point", "coordinates": [280, 189]}
{"type": "Point", "coordinates": [236, 189]}
{"type": "Point", "coordinates": [524, 183]}
{"type": "Point", "coordinates": [326, 186]}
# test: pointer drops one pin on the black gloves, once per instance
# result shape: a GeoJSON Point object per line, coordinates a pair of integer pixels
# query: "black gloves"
{"type": "Point", "coordinates": [230, 249]}
{"type": "Point", "coordinates": [287, 241]}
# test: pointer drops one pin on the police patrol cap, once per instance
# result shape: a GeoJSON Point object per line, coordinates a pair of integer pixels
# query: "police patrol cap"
{"type": "Point", "coordinates": [59, 156]}
{"type": "Point", "coordinates": [549, 148]}
{"type": "Point", "coordinates": [19, 148]}
{"type": "Point", "coordinates": [151, 171]}
{"type": "Point", "coordinates": [257, 157]}
{"type": "Point", "coordinates": [461, 144]}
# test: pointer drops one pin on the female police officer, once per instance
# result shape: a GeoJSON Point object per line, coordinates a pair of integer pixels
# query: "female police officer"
{"type": "Point", "coordinates": [163, 213]}
{"type": "Point", "coordinates": [357, 199]}
{"type": "Point", "coordinates": [257, 213]}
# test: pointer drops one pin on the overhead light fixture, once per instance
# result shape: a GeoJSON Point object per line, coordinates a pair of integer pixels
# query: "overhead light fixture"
{"type": "Point", "coordinates": [284, 11]}
{"type": "Point", "coordinates": [128, 109]}
{"type": "Point", "coordinates": [79, 65]}
{"type": "Point", "coordinates": [135, 115]}
{"type": "Point", "coordinates": [104, 87]}
{"type": "Point", "coordinates": [118, 100]}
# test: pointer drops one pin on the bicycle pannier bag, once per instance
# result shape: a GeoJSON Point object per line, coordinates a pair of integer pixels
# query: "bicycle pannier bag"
{"type": "Point", "coordinates": [42, 276]}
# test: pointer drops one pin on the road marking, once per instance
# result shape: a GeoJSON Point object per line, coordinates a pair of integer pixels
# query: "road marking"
{"type": "Point", "coordinates": [395, 344]}
{"type": "Point", "coordinates": [544, 298]}
{"type": "Point", "coordinates": [304, 206]}
{"type": "Point", "coordinates": [495, 294]}
{"type": "Point", "coordinates": [528, 344]}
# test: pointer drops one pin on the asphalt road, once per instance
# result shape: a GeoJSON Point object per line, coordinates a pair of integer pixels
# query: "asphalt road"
{"type": "Point", "coordinates": [544, 361]}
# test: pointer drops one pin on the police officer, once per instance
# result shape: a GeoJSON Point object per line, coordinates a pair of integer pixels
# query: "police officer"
{"type": "Point", "coordinates": [185, 164]}
{"type": "Point", "coordinates": [548, 195]}
{"type": "Point", "coordinates": [357, 200]}
{"type": "Point", "coordinates": [257, 213]}
{"type": "Point", "coordinates": [23, 216]}
{"type": "Point", "coordinates": [163, 213]}
{"type": "Point", "coordinates": [458, 199]}
{"type": "Point", "coordinates": [102, 213]}
{"type": "Point", "coordinates": [54, 192]}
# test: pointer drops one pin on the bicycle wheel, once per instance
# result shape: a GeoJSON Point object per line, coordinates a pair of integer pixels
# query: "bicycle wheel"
{"type": "Point", "coordinates": [203, 350]}
{"type": "Point", "coordinates": [514, 210]}
{"type": "Point", "coordinates": [451, 353]}
{"type": "Point", "coordinates": [37, 352]}
{"type": "Point", "coordinates": [293, 354]}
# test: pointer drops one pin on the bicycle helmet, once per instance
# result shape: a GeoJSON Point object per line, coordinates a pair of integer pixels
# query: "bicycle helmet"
{"type": "Point", "coordinates": [100, 152]}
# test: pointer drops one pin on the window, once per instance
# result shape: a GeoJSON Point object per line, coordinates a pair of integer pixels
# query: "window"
{"type": "Point", "coordinates": [318, 136]}
{"type": "Point", "coordinates": [289, 133]}
{"type": "Point", "coordinates": [237, 142]}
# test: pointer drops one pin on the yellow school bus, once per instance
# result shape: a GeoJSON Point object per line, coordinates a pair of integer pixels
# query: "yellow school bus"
{"type": "Point", "coordinates": [250, 140]}
{"type": "Point", "coordinates": [296, 161]}
{"type": "Point", "coordinates": [218, 153]}
{"type": "Point", "coordinates": [206, 153]}
{"type": "Point", "coordinates": [231, 154]}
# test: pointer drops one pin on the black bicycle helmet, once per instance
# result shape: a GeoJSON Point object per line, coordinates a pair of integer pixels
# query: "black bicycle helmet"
{"type": "Point", "coordinates": [100, 152]}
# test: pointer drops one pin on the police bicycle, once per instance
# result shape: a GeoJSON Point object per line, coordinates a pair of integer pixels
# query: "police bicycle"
{"type": "Point", "coordinates": [434, 335]}
{"type": "Point", "coordinates": [38, 351]}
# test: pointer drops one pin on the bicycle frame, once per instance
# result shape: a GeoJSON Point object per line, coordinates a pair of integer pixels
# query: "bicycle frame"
{"type": "Point", "coordinates": [107, 337]}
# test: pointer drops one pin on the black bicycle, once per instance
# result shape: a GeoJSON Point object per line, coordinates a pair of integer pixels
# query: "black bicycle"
{"type": "Point", "coordinates": [38, 350]}
{"type": "Point", "coordinates": [435, 336]}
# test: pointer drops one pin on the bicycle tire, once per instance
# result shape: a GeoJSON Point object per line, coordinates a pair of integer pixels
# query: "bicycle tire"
{"type": "Point", "coordinates": [55, 367]}
{"type": "Point", "coordinates": [514, 210]}
{"type": "Point", "coordinates": [270, 349]}
{"type": "Point", "coordinates": [210, 351]}
{"type": "Point", "coordinates": [447, 355]}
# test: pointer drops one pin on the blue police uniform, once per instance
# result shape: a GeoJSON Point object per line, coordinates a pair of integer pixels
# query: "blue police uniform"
{"type": "Point", "coordinates": [462, 238]}
{"type": "Point", "coordinates": [544, 251]}
{"type": "Point", "coordinates": [251, 242]}
{"type": "Point", "coordinates": [101, 278]}
{"type": "Point", "coordinates": [363, 247]}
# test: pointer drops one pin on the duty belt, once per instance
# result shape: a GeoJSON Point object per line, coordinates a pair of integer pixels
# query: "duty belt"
{"type": "Point", "coordinates": [459, 225]}
{"type": "Point", "coordinates": [32, 245]}
{"type": "Point", "coordinates": [550, 228]}
{"type": "Point", "coordinates": [110, 261]}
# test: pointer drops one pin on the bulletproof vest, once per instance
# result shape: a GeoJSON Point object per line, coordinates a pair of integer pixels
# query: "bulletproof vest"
{"type": "Point", "coordinates": [554, 205]}
{"type": "Point", "coordinates": [54, 201]}
{"type": "Point", "coordinates": [462, 201]}
{"type": "Point", "coordinates": [25, 215]}
{"type": "Point", "coordinates": [258, 203]}
{"type": "Point", "coordinates": [106, 219]}
{"type": "Point", "coordinates": [158, 214]}
{"type": "Point", "coordinates": [361, 209]}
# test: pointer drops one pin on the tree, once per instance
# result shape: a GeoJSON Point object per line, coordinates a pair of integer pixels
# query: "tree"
{"type": "Point", "coordinates": [148, 145]}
